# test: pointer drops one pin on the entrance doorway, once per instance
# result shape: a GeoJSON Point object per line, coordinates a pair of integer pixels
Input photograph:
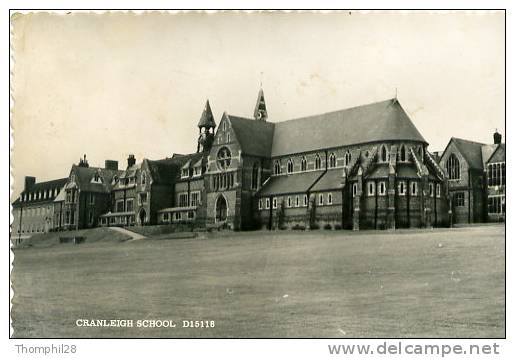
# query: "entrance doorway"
{"type": "Point", "coordinates": [142, 216]}
{"type": "Point", "coordinates": [221, 209]}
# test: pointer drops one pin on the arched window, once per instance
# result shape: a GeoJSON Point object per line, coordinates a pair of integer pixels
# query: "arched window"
{"type": "Point", "coordinates": [332, 161]}
{"type": "Point", "coordinates": [403, 153]}
{"type": "Point", "coordinates": [289, 167]}
{"type": "Point", "coordinates": [384, 154]}
{"type": "Point", "coordinates": [303, 164]}
{"type": "Point", "coordinates": [277, 168]}
{"type": "Point", "coordinates": [347, 159]}
{"type": "Point", "coordinates": [255, 171]}
{"type": "Point", "coordinates": [453, 167]}
{"type": "Point", "coordinates": [143, 178]}
{"type": "Point", "coordinates": [318, 162]}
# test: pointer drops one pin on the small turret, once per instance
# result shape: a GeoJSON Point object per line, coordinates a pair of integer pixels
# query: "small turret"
{"type": "Point", "coordinates": [260, 112]}
{"type": "Point", "coordinates": [206, 127]}
{"type": "Point", "coordinates": [83, 162]}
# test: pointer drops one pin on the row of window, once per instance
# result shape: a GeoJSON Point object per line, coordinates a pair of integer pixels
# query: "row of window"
{"type": "Point", "coordinates": [496, 174]}
{"type": "Point", "coordinates": [347, 158]}
{"type": "Point", "coordinates": [31, 229]}
{"type": "Point", "coordinates": [43, 194]}
{"type": "Point", "coordinates": [179, 216]}
{"type": "Point", "coordinates": [295, 201]}
{"type": "Point", "coordinates": [40, 210]}
{"type": "Point", "coordinates": [223, 181]}
{"type": "Point", "coordinates": [193, 201]}
{"type": "Point", "coordinates": [497, 204]}
{"type": "Point", "coordinates": [196, 172]}
{"type": "Point", "coordinates": [122, 206]}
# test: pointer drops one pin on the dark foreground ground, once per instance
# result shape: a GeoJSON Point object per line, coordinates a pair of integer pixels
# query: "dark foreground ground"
{"type": "Point", "coordinates": [439, 283]}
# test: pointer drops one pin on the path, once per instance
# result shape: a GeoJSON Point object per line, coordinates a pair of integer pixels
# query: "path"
{"type": "Point", "coordinates": [133, 235]}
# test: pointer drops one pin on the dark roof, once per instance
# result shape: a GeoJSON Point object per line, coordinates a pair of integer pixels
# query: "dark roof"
{"type": "Point", "coordinates": [167, 171]}
{"type": "Point", "coordinates": [295, 183]}
{"type": "Point", "coordinates": [84, 175]}
{"type": "Point", "coordinates": [378, 121]}
{"type": "Point", "coordinates": [488, 151]}
{"type": "Point", "coordinates": [471, 151]}
{"type": "Point", "coordinates": [332, 179]}
{"type": "Point", "coordinates": [207, 119]}
{"type": "Point", "coordinates": [41, 187]}
{"type": "Point", "coordinates": [407, 170]}
{"type": "Point", "coordinates": [379, 171]}
{"type": "Point", "coordinates": [255, 137]}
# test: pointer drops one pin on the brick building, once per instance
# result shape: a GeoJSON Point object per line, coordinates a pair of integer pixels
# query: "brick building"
{"type": "Point", "coordinates": [33, 210]}
{"type": "Point", "coordinates": [476, 174]}
{"type": "Point", "coordinates": [88, 194]}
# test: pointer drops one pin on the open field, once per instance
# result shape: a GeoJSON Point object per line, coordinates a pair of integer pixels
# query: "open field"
{"type": "Point", "coordinates": [260, 284]}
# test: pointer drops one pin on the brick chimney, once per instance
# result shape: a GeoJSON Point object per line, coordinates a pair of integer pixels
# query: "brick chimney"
{"type": "Point", "coordinates": [29, 183]}
{"type": "Point", "coordinates": [497, 137]}
{"type": "Point", "coordinates": [131, 160]}
{"type": "Point", "coordinates": [111, 164]}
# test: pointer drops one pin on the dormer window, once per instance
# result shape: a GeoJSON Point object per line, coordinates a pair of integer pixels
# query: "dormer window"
{"type": "Point", "coordinates": [197, 171]}
{"type": "Point", "coordinates": [115, 179]}
{"type": "Point", "coordinates": [97, 178]}
{"type": "Point", "coordinates": [185, 173]}
{"type": "Point", "coordinates": [289, 168]}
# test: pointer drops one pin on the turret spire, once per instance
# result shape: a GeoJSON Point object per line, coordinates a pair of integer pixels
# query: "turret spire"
{"type": "Point", "coordinates": [260, 112]}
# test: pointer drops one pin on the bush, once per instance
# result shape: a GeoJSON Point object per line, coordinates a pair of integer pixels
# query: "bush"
{"type": "Point", "coordinates": [298, 227]}
{"type": "Point", "coordinates": [337, 227]}
{"type": "Point", "coordinates": [282, 227]}
{"type": "Point", "coordinates": [315, 226]}
{"type": "Point", "coordinates": [328, 227]}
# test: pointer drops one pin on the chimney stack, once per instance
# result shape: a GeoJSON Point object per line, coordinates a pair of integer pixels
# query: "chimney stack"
{"type": "Point", "coordinates": [111, 164]}
{"type": "Point", "coordinates": [29, 183]}
{"type": "Point", "coordinates": [497, 137]}
{"type": "Point", "coordinates": [131, 160]}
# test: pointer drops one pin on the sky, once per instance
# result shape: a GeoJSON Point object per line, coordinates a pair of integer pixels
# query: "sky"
{"type": "Point", "coordinates": [108, 85]}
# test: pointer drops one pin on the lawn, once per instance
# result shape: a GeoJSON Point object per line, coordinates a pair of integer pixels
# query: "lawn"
{"type": "Point", "coordinates": [408, 283]}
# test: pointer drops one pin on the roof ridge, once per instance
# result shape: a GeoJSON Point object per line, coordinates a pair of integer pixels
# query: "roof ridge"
{"type": "Point", "coordinates": [339, 110]}
{"type": "Point", "coordinates": [468, 141]}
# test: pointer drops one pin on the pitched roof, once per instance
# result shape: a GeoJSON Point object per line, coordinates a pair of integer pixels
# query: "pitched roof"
{"type": "Point", "coordinates": [260, 109]}
{"type": "Point", "coordinates": [378, 121]}
{"type": "Point", "coordinates": [332, 179]}
{"type": "Point", "coordinates": [42, 187]}
{"type": "Point", "coordinates": [207, 119]}
{"type": "Point", "coordinates": [471, 151]}
{"type": "Point", "coordinates": [255, 137]}
{"type": "Point", "coordinates": [167, 171]}
{"type": "Point", "coordinates": [488, 151]}
{"type": "Point", "coordinates": [83, 176]}
{"type": "Point", "coordinates": [284, 184]}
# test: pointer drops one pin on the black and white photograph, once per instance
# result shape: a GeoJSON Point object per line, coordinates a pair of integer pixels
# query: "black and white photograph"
{"type": "Point", "coordinates": [258, 174]}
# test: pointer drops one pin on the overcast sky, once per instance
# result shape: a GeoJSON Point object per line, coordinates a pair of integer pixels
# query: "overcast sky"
{"type": "Point", "coordinates": [109, 85]}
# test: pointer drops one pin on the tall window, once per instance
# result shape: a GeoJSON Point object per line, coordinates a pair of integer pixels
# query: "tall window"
{"type": "Point", "coordinates": [274, 203]}
{"type": "Point", "coordinates": [277, 168]}
{"type": "Point", "coordinates": [318, 162]}
{"type": "Point", "coordinates": [371, 188]}
{"type": "Point", "coordinates": [130, 204]}
{"type": "Point", "coordinates": [453, 167]}
{"type": "Point", "coordinates": [260, 204]}
{"type": "Point", "coordinates": [382, 188]}
{"type": "Point", "coordinates": [255, 174]}
{"type": "Point", "coordinates": [496, 174]}
{"type": "Point", "coordinates": [143, 178]}
{"type": "Point", "coordinates": [431, 192]}
{"type": "Point", "coordinates": [347, 159]}
{"type": "Point", "coordinates": [403, 153]}
{"type": "Point", "coordinates": [402, 188]}
{"type": "Point", "coordinates": [332, 161]}
{"type": "Point", "coordinates": [320, 199]}
{"type": "Point", "coordinates": [384, 154]}
{"type": "Point", "coordinates": [330, 198]}
{"type": "Point", "coordinates": [267, 203]}
{"type": "Point", "coordinates": [195, 198]}
{"type": "Point", "coordinates": [228, 137]}
{"type": "Point", "coordinates": [305, 201]}
{"type": "Point", "coordinates": [297, 201]}
{"type": "Point", "coordinates": [414, 188]}
{"type": "Point", "coordinates": [496, 204]}
{"type": "Point", "coordinates": [354, 189]}
{"type": "Point", "coordinates": [289, 201]}
{"type": "Point", "coordinates": [303, 164]}
{"type": "Point", "coordinates": [183, 200]}
{"type": "Point", "coordinates": [289, 168]}
{"type": "Point", "coordinates": [438, 190]}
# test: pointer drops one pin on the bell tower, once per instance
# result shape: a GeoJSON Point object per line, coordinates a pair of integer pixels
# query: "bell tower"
{"type": "Point", "coordinates": [260, 112]}
{"type": "Point", "coordinates": [206, 126]}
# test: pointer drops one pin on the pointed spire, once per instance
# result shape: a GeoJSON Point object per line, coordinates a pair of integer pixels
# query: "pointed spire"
{"type": "Point", "coordinates": [260, 112]}
{"type": "Point", "coordinates": [207, 120]}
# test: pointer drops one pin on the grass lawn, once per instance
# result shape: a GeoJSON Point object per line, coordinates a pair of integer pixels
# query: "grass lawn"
{"type": "Point", "coordinates": [411, 283]}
